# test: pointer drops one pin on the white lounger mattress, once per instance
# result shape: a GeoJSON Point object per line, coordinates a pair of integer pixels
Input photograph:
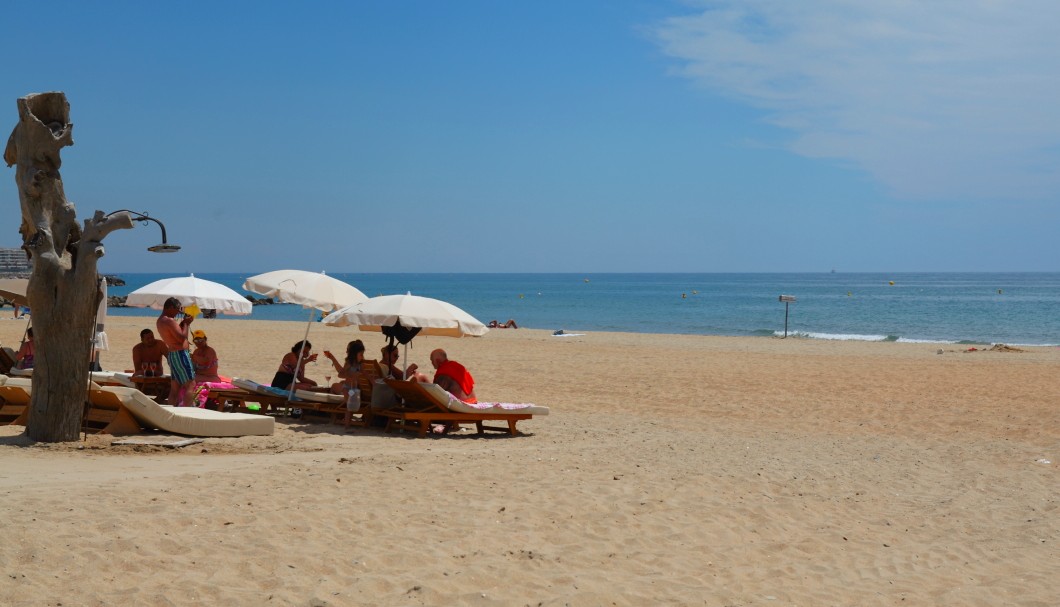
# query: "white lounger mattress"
{"type": "Point", "coordinates": [191, 421]}
{"type": "Point", "coordinates": [459, 406]}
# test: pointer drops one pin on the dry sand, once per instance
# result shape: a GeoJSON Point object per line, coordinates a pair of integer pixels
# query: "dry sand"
{"type": "Point", "coordinates": [673, 470]}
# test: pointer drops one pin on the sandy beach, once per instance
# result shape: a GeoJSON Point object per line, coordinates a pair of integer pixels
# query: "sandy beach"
{"type": "Point", "coordinates": [681, 470]}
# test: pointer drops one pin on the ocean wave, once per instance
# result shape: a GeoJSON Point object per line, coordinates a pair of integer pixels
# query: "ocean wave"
{"type": "Point", "coordinates": [837, 336]}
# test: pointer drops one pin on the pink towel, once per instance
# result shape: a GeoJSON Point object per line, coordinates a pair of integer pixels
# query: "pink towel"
{"type": "Point", "coordinates": [202, 389]}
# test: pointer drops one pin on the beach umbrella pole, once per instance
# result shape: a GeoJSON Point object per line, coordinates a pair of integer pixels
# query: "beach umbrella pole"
{"type": "Point", "coordinates": [298, 363]}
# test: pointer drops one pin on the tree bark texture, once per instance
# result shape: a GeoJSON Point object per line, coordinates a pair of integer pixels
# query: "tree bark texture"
{"type": "Point", "coordinates": [63, 288]}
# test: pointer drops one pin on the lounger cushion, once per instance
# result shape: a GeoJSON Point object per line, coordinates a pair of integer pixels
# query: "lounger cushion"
{"type": "Point", "coordinates": [190, 421]}
{"type": "Point", "coordinates": [256, 388]}
{"type": "Point", "coordinates": [440, 395]}
{"type": "Point", "coordinates": [320, 397]}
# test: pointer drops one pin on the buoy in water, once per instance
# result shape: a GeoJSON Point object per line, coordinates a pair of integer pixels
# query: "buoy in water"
{"type": "Point", "coordinates": [521, 296]}
{"type": "Point", "coordinates": [586, 280]}
{"type": "Point", "coordinates": [848, 293]}
{"type": "Point", "coordinates": [891, 283]}
{"type": "Point", "coordinates": [695, 292]}
{"type": "Point", "coordinates": [683, 296]}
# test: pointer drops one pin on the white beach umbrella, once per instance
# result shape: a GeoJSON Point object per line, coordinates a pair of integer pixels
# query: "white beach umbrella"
{"type": "Point", "coordinates": [190, 290]}
{"type": "Point", "coordinates": [313, 290]}
{"type": "Point", "coordinates": [99, 342]}
{"type": "Point", "coordinates": [14, 289]}
{"type": "Point", "coordinates": [402, 317]}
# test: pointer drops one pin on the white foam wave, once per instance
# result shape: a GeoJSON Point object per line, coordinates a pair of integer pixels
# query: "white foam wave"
{"type": "Point", "coordinates": [833, 336]}
{"type": "Point", "coordinates": [909, 340]}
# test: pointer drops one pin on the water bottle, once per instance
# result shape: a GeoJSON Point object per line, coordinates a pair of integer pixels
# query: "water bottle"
{"type": "Point", "coordinates": [353, 400]}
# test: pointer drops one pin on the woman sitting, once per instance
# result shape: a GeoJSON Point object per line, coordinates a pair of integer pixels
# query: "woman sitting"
{"type": "Point", "coordinates": [24, 358]}
{"type": "Point", "coordinates": [349, 371]}
{"type": "Point", "coordinates": [285, 375]}
{"type": "Point", "coordinates": [204, 358]}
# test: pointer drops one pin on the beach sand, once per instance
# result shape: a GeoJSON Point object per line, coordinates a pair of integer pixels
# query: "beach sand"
{"type": "Point", "coordinates": [680, 470]}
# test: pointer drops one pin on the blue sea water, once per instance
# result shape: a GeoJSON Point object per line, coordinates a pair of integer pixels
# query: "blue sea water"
{"type": "Point", "coordinates": [973, 308]}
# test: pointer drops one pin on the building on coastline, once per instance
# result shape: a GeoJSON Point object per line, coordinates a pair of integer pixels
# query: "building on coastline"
{"type": "Point", "coordinates": [13, 262]}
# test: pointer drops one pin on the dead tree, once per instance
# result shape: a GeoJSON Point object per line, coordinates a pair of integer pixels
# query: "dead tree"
{"type": "Point", "coordinates": [63, 288]}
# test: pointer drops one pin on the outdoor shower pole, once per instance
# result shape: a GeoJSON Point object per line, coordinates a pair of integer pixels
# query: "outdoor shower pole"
{"type": "Point", "coordinates": [787, 299]}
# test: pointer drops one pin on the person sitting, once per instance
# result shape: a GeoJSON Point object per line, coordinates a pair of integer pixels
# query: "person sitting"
{"type": "Point", "coordinates": [388, 362]}
{"type": "Point", "coordinates": [349, 371]}
{"type": "Point", "coordinates": [147, 355]}
{"type": "Point", "coordinates": [204, 358]}
{"type": "Point", "coordinates": [285, 375]}
{"type": "Point", "coordinates": [453, 377]}
{"type": "Point", "coordinates": [24, 358]}
{"type": "Point", "coordinates": [508, 325]}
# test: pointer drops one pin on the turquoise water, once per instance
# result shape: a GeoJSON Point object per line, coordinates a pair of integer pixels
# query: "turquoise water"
{"type": "Point", "coordinates": [1012, 308]}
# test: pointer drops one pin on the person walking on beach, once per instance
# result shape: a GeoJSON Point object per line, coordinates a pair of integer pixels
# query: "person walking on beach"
{"type": "Point", "coordinates": [181, 369]}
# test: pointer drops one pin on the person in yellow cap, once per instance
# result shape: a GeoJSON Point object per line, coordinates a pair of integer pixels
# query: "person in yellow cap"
{"type": "Point", "coordinates": [204, 358]}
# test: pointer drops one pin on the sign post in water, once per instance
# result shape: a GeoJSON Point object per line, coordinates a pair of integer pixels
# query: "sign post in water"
{"type": "Point", "coordinates": [788, 300]}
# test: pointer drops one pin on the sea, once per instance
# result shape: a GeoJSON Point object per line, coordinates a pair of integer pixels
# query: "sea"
{"type": "Point", "coordinates": [945, 308]}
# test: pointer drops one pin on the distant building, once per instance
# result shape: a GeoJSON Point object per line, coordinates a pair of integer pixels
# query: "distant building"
{"type": "Point", "coordinates": [13, 261]}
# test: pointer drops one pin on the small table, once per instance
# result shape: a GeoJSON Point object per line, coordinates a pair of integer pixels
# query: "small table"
{"type": "Point", "coordinates": [155, 387]}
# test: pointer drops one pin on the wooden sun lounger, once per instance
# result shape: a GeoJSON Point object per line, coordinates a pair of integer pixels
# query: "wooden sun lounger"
{"type": "Point", "coordinates": [14, 404]}
{"type": "Point", "coordinates": [105, 414]}
{"type": "Point", "coordinates": [423, 408]}
{"type": "Point", "coordinates": [7, 360]}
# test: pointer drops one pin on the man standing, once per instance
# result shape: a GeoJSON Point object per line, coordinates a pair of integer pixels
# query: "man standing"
{"type": "Point", "coordinates": [453, 377]}
{"type": "Point", "coordinates": [175, 336]}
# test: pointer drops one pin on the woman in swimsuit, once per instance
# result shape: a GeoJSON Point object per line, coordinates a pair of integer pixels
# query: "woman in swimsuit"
{"type": "Point", "coordinates": [349, 371]}
{"type": "Point", "coordinates": [204, 358]}
{"type": "Point", "coordinates": [285, 374]}
{"type": "Point", "coordinates": [24, 358]}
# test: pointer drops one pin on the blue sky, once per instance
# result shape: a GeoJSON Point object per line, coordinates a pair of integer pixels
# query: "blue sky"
{"type": "Point", "coordinates": [591, 136]}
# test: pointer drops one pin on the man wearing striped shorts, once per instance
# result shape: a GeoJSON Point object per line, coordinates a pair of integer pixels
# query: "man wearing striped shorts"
{"type": "Point", "coordinates": [181, 370]}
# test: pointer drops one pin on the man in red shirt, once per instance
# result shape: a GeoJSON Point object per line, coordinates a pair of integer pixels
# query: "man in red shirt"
{"type": "Point", "coordinates": [453, 377]}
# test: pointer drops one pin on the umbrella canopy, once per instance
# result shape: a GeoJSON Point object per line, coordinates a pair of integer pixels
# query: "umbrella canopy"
{"type": "Point", "coordinates": [402, 317]}
{"type": "Point", "coordinates": [308, 289]}
{"type": "Point", "coordinates": [313, 290]}
{"type": "Point", "coordinates": [408, 312]}
{"type": "Point", "coordinates": [14, 290]}
{"type": "Point", "coordinates": [190, 290]}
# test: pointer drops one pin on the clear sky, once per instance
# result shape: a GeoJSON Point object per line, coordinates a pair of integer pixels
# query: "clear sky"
{"type": "Point", "coordinates": [552, 136]}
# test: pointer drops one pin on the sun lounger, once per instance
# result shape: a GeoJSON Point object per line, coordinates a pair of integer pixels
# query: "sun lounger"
{"type": "Point", "coordinates": [189, 421]}
{"type": "Point", "coordinates": [7, 359]}
{"type": "Point", "coordinates": [277, 397]}
{"type": "Point", "coordinates": [426, 404]}
{"type": "Point", "coordinates": [14, 400]}
{"type": "Point", "coordinates": [112, 378]}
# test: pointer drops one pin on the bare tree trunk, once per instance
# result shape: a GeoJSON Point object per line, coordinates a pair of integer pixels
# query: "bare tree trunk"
{"type": "Point", "coordinates": [63, 289]}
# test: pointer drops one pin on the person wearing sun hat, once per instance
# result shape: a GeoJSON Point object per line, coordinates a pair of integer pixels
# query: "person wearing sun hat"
{"type": "Point", "coordinates": [204, 358]}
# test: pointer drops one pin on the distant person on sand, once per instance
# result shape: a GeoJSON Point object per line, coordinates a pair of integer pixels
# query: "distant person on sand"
{"type": "Point", "coordinates": [24, 358]}
{"type": "Point", "coordinates": [349, 371]}
{"type": "Point", "coordinates": [204, 358]}
{"type": "Point", "coordinates": [508, 325]}
{"type": "Point", "coordinates": [147, 355]}
{"type": "Point", "coordinates": [450, 375]}
{"type": "Point", "coordinates": [285, 374]}
{"type": "Point", "coordinates": [181, 369]}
